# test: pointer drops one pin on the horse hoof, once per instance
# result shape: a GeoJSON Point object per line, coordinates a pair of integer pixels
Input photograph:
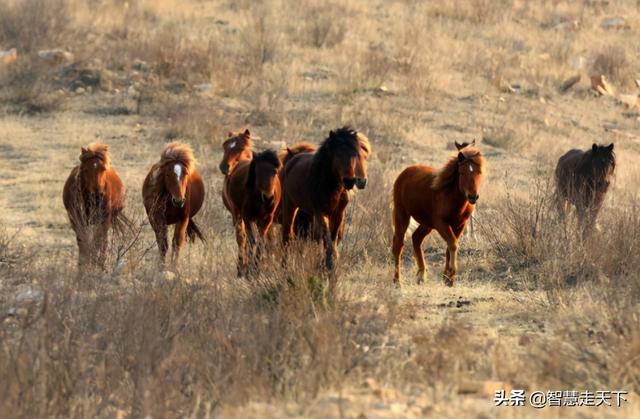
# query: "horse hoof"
{"type": "Point", "coordinates": [396, 282]}
{"type": "Point", "coordinates": [448, 280]}
{"type": "Point", "coordinates": [420, 278]}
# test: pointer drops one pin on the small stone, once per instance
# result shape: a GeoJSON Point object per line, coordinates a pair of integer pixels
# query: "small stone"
{"type": "Point", "coordinates": [614, 23]}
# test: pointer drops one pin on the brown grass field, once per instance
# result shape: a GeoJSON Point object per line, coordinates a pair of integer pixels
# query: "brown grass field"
{"type": "Point", "coordinates": [534, 308]}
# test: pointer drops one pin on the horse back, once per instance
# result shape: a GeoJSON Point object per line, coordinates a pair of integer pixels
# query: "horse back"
{"type": "Point", "coordinates": [294, 181]}
{"type": "Point", "coordinates": [567, 167]}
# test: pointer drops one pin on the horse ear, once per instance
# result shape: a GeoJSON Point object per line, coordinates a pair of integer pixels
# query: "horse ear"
{"type": "Point", "coordinates": [83, 150]}
{"type": "Point", "coordinates": [230, 134]}
{"type": "Point", "coordinates": [473, 142]}
{"type": "Point", "coordinates": [458, 145]}
{"type": "Point", "coordinates": [460, 157]}
{"type": "Point", "coordinates": [332, 134]}
{"type": "Point", "coordinates": [594, 147]}
{"type": "Point", "coordinates": [246, 133]}
{"type": "Point", "coordinates": [610, 148]}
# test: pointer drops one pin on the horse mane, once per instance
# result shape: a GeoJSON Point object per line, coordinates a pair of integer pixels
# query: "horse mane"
{"type": "Point", "coordinates": [289, 152]}
{"type": "Point", "coordinates": [180, 153]}
{"type": "Point", "coordinates": [448, 174]}
{"type": "Point", "coordinates": [98, 150]}
{"type": "Point", "coordinates": [267, 156]}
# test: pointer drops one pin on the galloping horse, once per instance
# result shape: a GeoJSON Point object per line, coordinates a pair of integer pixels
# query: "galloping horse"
{"type": "Point", "coordinates": [302, 221]}
{"type": "Point", "coordinates": [318, 184]}
{"type": "Point", "coordinates": [582, 179]}
{"type": "Point", "coordinates": [173, 192]}
{"type": "Point", "coordinates": [251, 193]}
{"type": "Point", "coordinates": [93, 196]}
{"type": "Point", "coordinates": [437, 199]}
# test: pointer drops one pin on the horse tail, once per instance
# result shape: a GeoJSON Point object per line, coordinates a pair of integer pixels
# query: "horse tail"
{"type": "Point", "coordinates": [193, 232]}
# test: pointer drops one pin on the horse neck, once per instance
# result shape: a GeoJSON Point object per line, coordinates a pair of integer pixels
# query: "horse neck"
{"type": "Point", "coordinates": [83, 182]}
{"type": "Point", "coordinates": [325, 184]}
{"type": "Point", "coordinates": [246, 155]}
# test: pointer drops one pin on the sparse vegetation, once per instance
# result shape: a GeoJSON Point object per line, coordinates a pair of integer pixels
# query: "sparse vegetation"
{"type": "Point", "coordinates": [535, 308]}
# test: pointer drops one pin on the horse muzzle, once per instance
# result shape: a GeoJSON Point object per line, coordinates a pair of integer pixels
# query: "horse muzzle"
{"type": "Point", "coordinates": [473, 198]}
{"type": "Point", "coordinates": [178, 203]}
{"type": "Point", "coordinates": [361, 182]}
{"type": "Point", "coordinates": [266, 199]}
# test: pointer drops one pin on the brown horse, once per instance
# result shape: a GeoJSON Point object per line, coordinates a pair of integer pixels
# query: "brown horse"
{"type": "Point", "coordinates": [437, 199]}
{"type": "Point", "coordinates": [251, 193]}
{"type": "Point", "coordinates": [93, 196]}
{"type": "Point", "coordinates": [173, 192]}
{"type": "Point", "coordinates": [236, 148]}
{"type": "Point", "coordinates": [302, 221]}
{"type": "Point", "coordinates": [582, 179]}
{"type": "Point", "coordinates": [318, 184]}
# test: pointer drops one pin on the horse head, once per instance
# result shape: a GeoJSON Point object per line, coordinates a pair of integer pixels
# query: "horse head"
{"type": "Point", "coordinates": [603, 163]}
{"type": "Point", "coordinates": [470, 165]}
{"type": "Point", "coordinates": [94, 163]}
{"type": "Point", "coordinates": [263, 174]}
{"type": "Point", "coordinates": [350, 152]}
{"type": "Point", "coordinates": [175, 177]}
{"type": "Point", "coordinates": [237, 147]}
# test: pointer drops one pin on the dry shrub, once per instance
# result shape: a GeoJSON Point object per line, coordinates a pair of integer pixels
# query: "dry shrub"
{"type": "Point", "coordinates": [614, 64]}
{"type": "Point", "coordinates": [323, 24]}
{"type": "Point", "coordinates": [27, 88]}
{"type": "Point", "coordinates": [29, 25]}
{"type": "Point", "coordinates": [159, 346]}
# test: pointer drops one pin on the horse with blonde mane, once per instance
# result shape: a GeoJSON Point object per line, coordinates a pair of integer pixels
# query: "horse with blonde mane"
{"type": "Point", "coordinates": [437, 199]}
{"type": "Point", "coordinates": [93, 196]}
{"type": "Point", "coordinates": [173, 193]}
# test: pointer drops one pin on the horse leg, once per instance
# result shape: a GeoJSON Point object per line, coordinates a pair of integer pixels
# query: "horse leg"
{"type": "Point", "coordinates": [160, 230]}
{"type": "Point", "coordinates": [252, 247]}
{"type": "Point", "coordinates": [451, 264]}
{"type": "Point", "coordinates": [337, 219]}
{"type": "Point", "coordinates": [82, 238]}
{"type": "Point", "coordinates": [417, 238]}
{"type": "Point", "coordinates": [289, 212]}
{"type": "Point", "coordinates": [179, 236]}
{"type": "Point", "coordinates": [264, 228]}
{"type": "Point", "coordinates": [101, 241]}
{"type": "Point", "coordinates": [241, 239]}
{"type": "Point", "coordinates": [329, 246]}
{"type": "Point", "coordinates": [400, 225]}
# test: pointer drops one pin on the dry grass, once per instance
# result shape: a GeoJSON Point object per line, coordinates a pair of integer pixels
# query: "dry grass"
{"type": "Point", "coordinates": [534, 307]}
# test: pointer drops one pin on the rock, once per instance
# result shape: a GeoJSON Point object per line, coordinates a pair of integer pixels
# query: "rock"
{"type": "Point", "coordinates": [8, 56]}
{"type": "Point", "coordinates": [80, 90]}
{"type": "Point", "coordinates": [614, 23]}
{"type": "Point", "coordinates": [600, 84]}
{"type": "Point", "coordinates": [140, 65]}
{"type": "Point", "coordinates": [629, 101]}
{"type": "Point", "coordinates": [570, 82]}
{"type": "Point", "coordinates": [204, 87]}
{"type": "Point", "coordinates": [566, 25]}
{"type": "Point", "coordinates": [56, 56]}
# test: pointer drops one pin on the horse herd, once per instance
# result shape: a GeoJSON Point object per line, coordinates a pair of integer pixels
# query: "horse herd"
{"type": "Point", "coordinates": [305, 188]}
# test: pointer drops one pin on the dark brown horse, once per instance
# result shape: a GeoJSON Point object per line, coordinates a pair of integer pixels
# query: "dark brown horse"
{"type": "Point", "coordinates": [251, 193]}
{"type": "Point", "coordinates": [318, 184]}
{"type": "Point", "coordinates": [93, 196]}
{"type": "Point", "coordinates": [437, 199]}
{"type": "Point", "coordinates": [582, 179]}
{"type": "Point", "coordinates": [173, 192]}
{"type": "Point", "coordinates": [302, 221]}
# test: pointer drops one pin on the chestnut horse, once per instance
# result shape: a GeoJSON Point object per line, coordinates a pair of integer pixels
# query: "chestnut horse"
{"type": "Point", "coordinates": [236, 148]}
{"type": "Point", "coordinates": [93, 196]}
{"type": "Point", "coordinates": [582, 179]}
{"type": "Point", "coordinates": [437, 199]}
{"type": "Point", "coordinates": [251, 193]}
{"type": "Point", "coordinates": [318, 184]}
{"type": "Point", "coordinates": [173, 192]}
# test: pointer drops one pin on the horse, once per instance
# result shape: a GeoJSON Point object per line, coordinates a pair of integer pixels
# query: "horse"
{"type": "Point", "coordinates": [93, 196]}
{"type": "Point", "coordinates": [302, 221]}
{"type": "Point", "coordinates": [583, 179]}
{"type": "Point", "coordinates": [251, 193]}
{"type": "Point", "coordinates": [318, 184]}
{"type": "Point", "coordinates": [173, 193]}
{"type": "Point", "coordinates": [235, 149]}
{"type": "Point", "coordinates": [441, 199]}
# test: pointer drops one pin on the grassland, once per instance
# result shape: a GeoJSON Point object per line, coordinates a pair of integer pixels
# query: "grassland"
{"type": "Point", "coordinates": [533, 308]}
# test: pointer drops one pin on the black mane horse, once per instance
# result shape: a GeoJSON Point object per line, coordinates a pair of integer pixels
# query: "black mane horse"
{"type": "Point", "coordinates": [583, 179]}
